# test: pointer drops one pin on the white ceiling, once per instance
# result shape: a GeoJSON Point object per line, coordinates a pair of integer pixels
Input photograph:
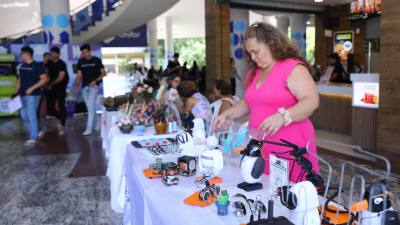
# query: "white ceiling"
{"type": "Point", "coordinates": [188, 20]}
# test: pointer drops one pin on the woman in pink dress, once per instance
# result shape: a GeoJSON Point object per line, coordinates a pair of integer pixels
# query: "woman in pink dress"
{"type": "Point", "coordinates": [279, 78]}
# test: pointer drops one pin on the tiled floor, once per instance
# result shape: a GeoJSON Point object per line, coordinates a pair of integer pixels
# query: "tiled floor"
{"type": "Point", "coordinates": [61, 180]}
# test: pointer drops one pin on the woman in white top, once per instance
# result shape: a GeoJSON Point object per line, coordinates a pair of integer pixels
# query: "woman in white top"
{"type": "Point", "coordinates": [172, 94]}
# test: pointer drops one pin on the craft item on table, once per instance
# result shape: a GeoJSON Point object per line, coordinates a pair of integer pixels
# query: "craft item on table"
{"type": "Point", "coordinates": [169, 173]}
{"type": "Point", "coordinates": [306, 166]}
{"type": "Point", "coordinates": [252, 165]}
{"type": "Point", "coordinates": [223, 203]}
{"type": "Point", "coordinates": [378, 205]}
{"type": "Point", "coordinates": [187, 121]}
{"type": "Point", "coordinates": [157, 150]}
{"type": "Point", "coordinates": [174, 126]}
{"type": "Point", "coordinates": [154, 169]}
{"type": "Point", "coordinates": [150, 142]}
{"type": "Point", "coordinates": [210, 189]}
{"type": "Point", "coordinates": [186, 143]}
{"type": "Point", "coordinates": [302, 201]}
{"type": "Point", "coordinates": [241, 135]}
{"type": "Point", "coordinates": [211, 161]}
{"type": "Point", "coordinates": [228, 143]}
{"type": "Point", "coordinates": [187, 165]}
{"type": "Point", "coordinates": [198, 131]}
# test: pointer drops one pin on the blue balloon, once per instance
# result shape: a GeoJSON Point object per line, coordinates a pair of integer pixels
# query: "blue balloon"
{"type": "Point", "coordinates": [231, 26]}
{"type": "Point", "coordinates": [240, 26]}
{"type": "Point", "coordinates": [298, 36]}
{"type": "Point", "coordinates": [47, 20]}
{"type": "Point", "coordinates": [234, 39]}
{"type": "Point", "coordinates": [62, 21]}
{"type": "Point", "coordinates": [239, 53]}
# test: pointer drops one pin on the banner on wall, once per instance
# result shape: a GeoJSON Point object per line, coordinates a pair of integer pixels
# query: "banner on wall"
{"type": "Point", "coordinates": [343, 44]}
{"type": "Point", "coordinates": [133, 38]}
{"type": "Point", "coordinates": [69, 53]}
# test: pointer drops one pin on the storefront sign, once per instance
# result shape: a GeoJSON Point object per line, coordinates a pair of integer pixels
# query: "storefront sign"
{"type": "Point", "coordinates": [134, 38]}
{"type": "Point", "coordinates": [364, 9]}
{"type": "Point", "coordinates": [343, 44]}
{"type": "Point", "coordinates": [366, 95]}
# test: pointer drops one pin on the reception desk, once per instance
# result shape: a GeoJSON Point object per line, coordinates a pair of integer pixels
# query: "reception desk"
{"type": "Point", "coordinates": [335, 108]}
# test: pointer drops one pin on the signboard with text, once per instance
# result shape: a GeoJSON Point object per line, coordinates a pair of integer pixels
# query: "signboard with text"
{"type": "Point", "coordinates": [343, 44]}
{"type": "Point", "coordinates": [133, 38]}
{"type": "Point", "coordinates": [366, 95]}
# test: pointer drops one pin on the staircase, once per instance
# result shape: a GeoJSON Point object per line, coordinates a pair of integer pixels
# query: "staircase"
{"type": "Point", "coordinates": [103, 19]}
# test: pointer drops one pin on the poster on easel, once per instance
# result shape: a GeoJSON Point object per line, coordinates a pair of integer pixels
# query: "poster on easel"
{"type": "Point", "coordinates": [278, 173]}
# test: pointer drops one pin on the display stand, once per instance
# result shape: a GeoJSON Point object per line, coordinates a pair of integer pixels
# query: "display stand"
{"type": "Point", "coordinates": [194, 200]}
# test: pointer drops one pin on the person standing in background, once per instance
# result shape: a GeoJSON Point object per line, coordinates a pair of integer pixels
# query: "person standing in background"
{"type": "Point", "coordinates": [59, 78]}
{"type": "Point", "coordinates": [46, 58]}
{"type": "Point", "coordinates": [91, 71]}
{"type": "Point", "coordinates": [233, 75]}
{"type": "Point", "coordinates": [32, 77]}
{"type": "Point", "coordinates": [174, 66]}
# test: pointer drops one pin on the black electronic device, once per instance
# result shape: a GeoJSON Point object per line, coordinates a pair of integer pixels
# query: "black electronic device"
{"type": "Point", "coordinates": [281, 220]}
{"type": "Point", "coordinates": [209, 190]}
{"type": "Point", "coordinates": [187, 166]}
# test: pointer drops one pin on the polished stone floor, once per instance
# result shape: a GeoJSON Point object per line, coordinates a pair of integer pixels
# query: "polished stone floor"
{"type": "Point", "coordinates": [61, 180]}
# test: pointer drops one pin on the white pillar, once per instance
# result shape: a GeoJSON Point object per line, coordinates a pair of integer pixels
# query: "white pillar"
{"type": "Point", "coordinates": [298, 26]}
{"type": "Point", "coordinates": [169, 41]}
{"type": "Point", "coordinates": [55, 21]}
{"type": "Point", "coordinates": [282, 23]}
{"type": "Point", "coordinates": [153, 43]}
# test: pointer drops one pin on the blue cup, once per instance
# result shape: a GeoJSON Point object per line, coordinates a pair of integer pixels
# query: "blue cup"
{"type": "Point", "coordinates": [174, 126]}
{"type": "Point", "coordinates": [222, 209]}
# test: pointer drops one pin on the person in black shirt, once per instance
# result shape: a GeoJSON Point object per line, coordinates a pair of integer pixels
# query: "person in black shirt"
{"type": "Point", "coordinates": [91, 71]}
{"type": "Point", "coordinates": [174, 66]}
{"type": "Point", "coordinates": [56, 87]}
{"type": "Point", "coordinates": [31, 77]}
{"type": "Point", "coordinates": [338, 72]}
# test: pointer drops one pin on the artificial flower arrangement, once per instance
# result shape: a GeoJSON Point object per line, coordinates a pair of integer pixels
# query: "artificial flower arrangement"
{"type": "Point", "coordinates": [145, 92]}
{"type": "Point", "coordinates": [161, 91]}
{"type": "Point", "coordinates": [141, 116]}
{"type": "Point", "coordinates": [136, 78]}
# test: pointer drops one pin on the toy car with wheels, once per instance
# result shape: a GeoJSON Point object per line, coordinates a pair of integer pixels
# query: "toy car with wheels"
{"type": "Point", "coordinates": [209, 190]}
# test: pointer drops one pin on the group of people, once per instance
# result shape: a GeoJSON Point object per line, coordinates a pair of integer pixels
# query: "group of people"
{"type": "Point", "coordinates": [49, 79]}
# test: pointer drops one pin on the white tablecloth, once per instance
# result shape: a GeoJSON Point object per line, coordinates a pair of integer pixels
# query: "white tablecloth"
{"type": "Point", "coordinates": [118, 143]}
{"type": "Point", "coordinates": [153, 203]}
{"type": "Point", "coordinates": [105, 129]}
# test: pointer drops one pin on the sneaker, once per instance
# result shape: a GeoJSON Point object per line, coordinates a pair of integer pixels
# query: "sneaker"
{"type": "Point", "coordinates": [88, 132]}
{"type": "Point", "coordinates": [61, 131]}
{"type": "Point", "coordinates": [41, 134]}
{"type": "Point", "coordinates": [30, 142]}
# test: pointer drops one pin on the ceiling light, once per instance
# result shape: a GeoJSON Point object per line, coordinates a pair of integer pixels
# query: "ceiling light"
{"type": "Point", "coordinates": [308, 22]}
{"type": "Point", "coordinates": [318, 0]}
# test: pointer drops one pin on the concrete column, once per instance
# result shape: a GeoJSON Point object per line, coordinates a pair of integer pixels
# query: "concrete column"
{"type": "Point", "coordinates": [298, 26]}
{"type": "Point", "coordinates": [153, 43]}
{"type": "Point", "coordinates": [55, 20]}
{"type": "Point", "coordinates": [282, 23]}
{"type": "Point", "coordinates": [169, 41]}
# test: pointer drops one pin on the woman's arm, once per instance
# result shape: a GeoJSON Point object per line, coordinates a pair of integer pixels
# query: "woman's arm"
{"type": "Point", "coordinates": [190, 102]}
{"type": "Point", "coordinates": [303, 88]}
{"type": "Point", "coordinates": [240, 109]}
{"type": "Point", "coordinates": [224, 106]}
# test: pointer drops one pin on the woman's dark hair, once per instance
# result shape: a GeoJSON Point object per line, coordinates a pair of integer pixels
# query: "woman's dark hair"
{"type": "Point", "coordinates": [223, 86]}
{"type": "Point", "coordinates": [186, 89]}
{"type": "Point", "coordinates": [176, 55]}
{"type": "Point", "coordinates": [276, 40]}
{"type": "Point", "coordinates": [184, 64]}
{"type": "Point", "coordinates": [85, 46]}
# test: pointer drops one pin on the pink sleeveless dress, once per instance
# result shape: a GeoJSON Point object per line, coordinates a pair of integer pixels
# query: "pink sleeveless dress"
{"type": "Point", "coordinates": [266, 100]}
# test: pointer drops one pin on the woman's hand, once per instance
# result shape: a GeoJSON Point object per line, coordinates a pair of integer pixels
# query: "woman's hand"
{"type": "Point", "coordinates": [218, 122]}
{"type": "Point", "coordinates": [212, 97]}
{"type": "Point", "coordinates": [272, 124]}
{"type": "Point", "coordinates": [176, 101]}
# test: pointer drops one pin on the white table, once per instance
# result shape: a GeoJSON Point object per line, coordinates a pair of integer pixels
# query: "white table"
{"type": "Point", "coordinates": [152, 202]}
{"type": "Point", "coordinates": [105, 129]}
{"type": "Point", "coordinates": [118, 143]}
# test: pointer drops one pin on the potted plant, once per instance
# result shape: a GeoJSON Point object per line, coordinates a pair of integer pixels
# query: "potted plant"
{"type": "Point", "coordinates": [222, 203]}
{"type": "Point", "coordinates": [141, 116]}
{"type": "Point", "coordinates": [146, 93]}
{"type": "Point", "coordinates": [125, 125]}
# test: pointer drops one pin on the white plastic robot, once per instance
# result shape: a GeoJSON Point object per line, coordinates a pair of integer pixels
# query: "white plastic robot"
{"type": "Point", "coordinates": [211, 160]}
{"type": "Point", "coordinates": [198, 131]}
{"type": "Point", "coordinates": [303, 205]}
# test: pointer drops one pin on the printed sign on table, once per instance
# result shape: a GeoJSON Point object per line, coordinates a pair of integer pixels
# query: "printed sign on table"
{"type": "Point", "coordinates": [278, 173]}
{"type": "Point", "coordinates": [326, 76]}
{"type": "Point", "coordinates": [366, 95]}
